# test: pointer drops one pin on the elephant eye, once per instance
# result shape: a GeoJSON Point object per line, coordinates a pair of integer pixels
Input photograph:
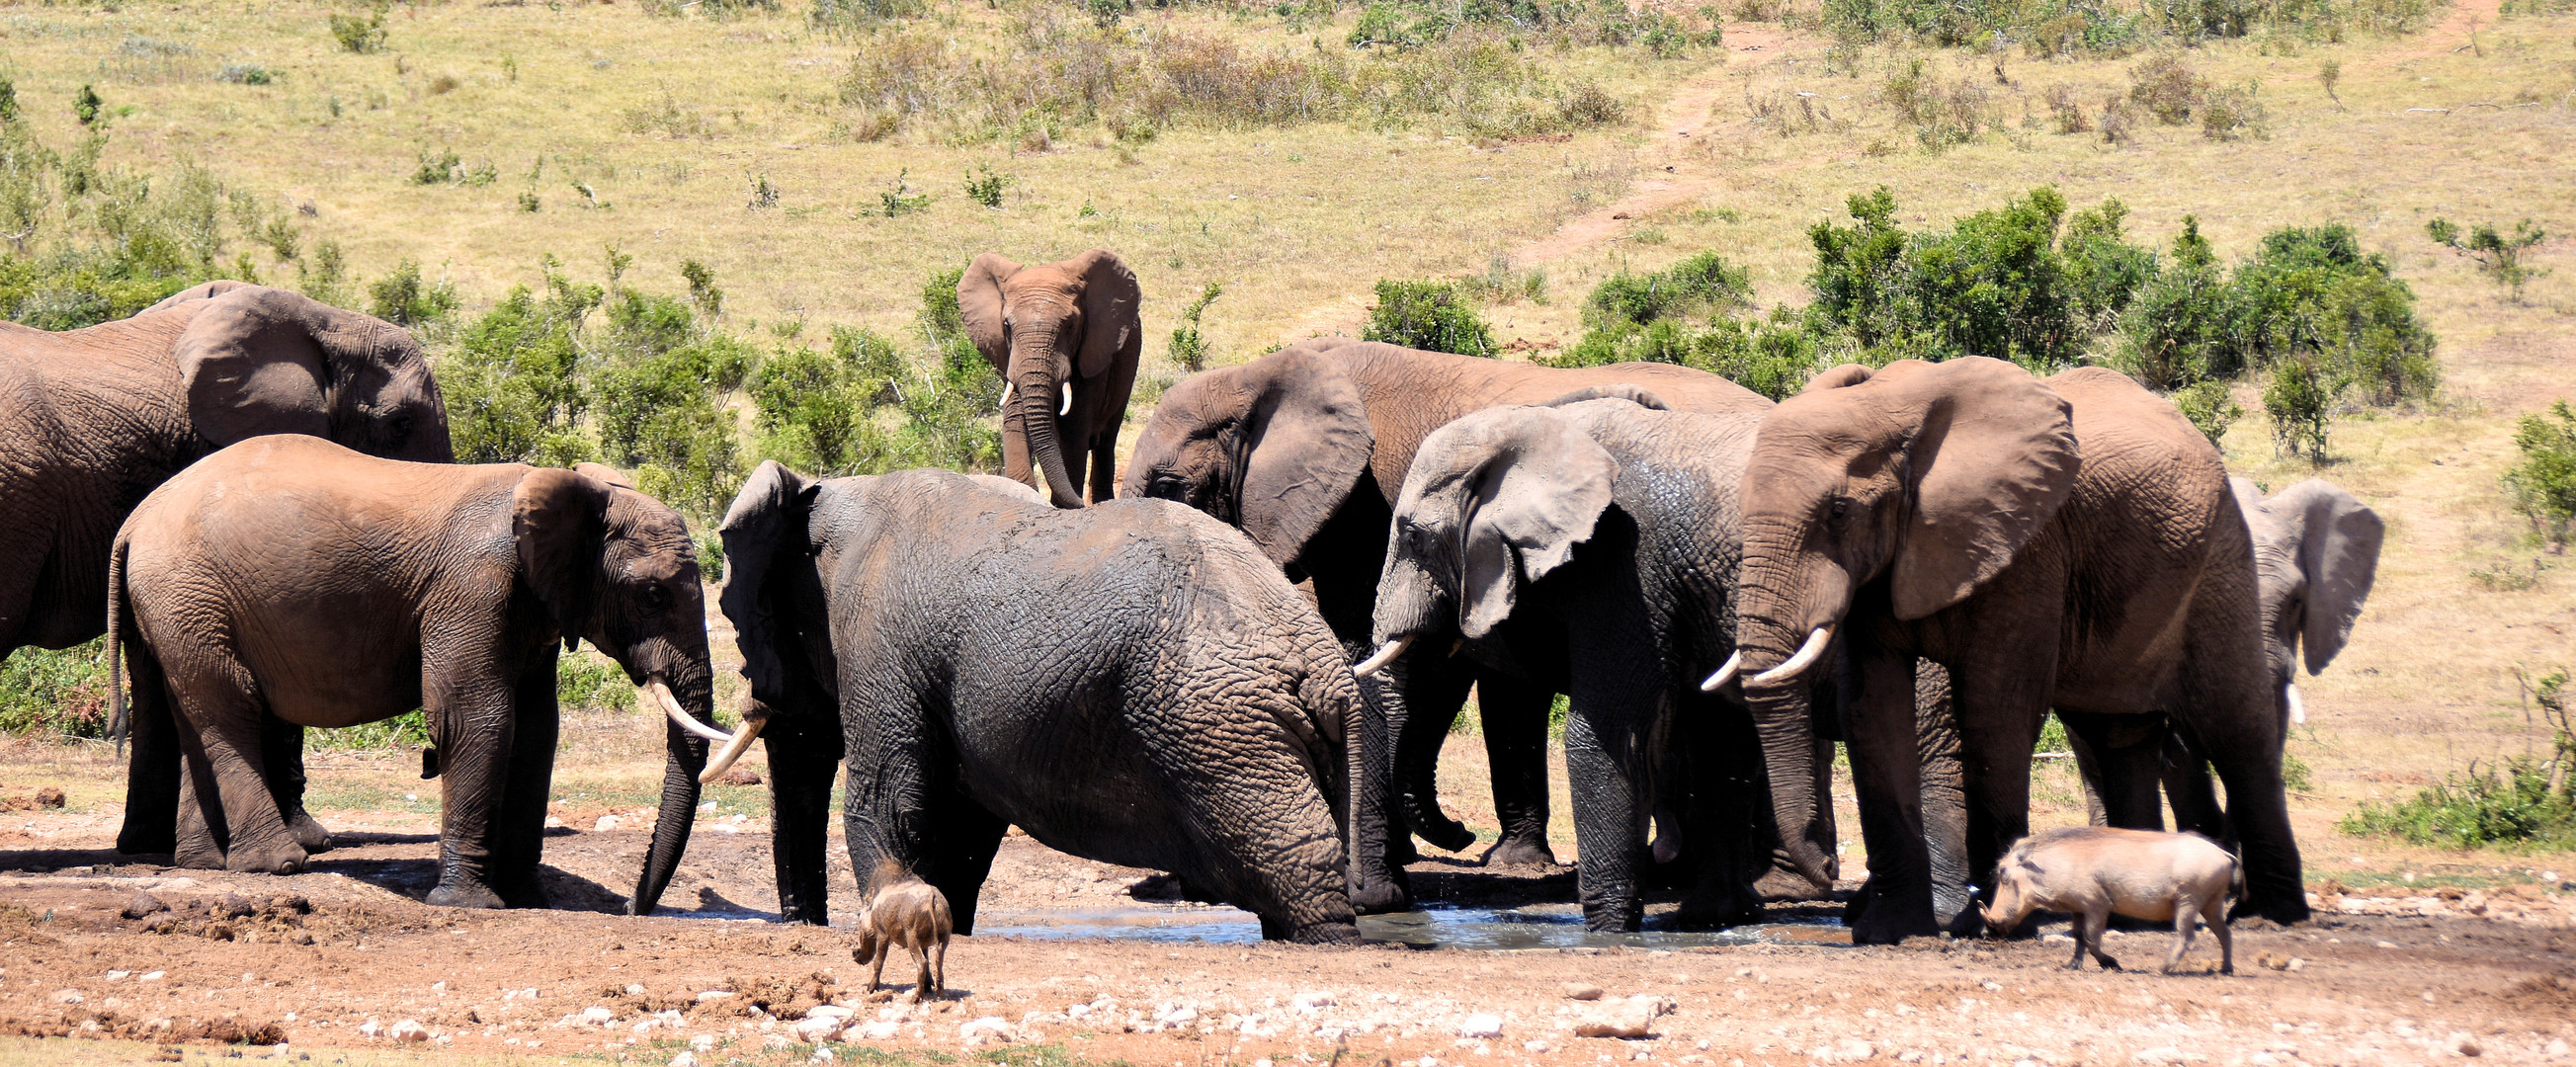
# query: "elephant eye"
{"type": "Point", "coordinates": [656, 598]}
{"type": "Point", "coordinates": [1840, 508]}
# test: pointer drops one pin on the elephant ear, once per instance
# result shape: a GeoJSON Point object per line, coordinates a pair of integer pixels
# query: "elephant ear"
{"type": "Point", "coordinates": [767, 519]}
{"type": "Point", "coordinates": [250, 365]}
{"type": "Point", "coordinates": [558, 518]}
{"type": "Point", "coordinates": [979, 306]}
{"type": "Point", "coordinates": [1634, 394]}
{"type": "Point", "coordinates": [2339, 554]}
{"type": "Point", "coordinates": [1110, 331]}
{"type": "Point", "coordinates": [1992, 459]}
{"type": "Point", "coordinates": [1304, 442]}
{"type": "Point", "coordinates": [1516, 489]}
{"type": "Point", "coordinates": [1847, 375]}
{"type": "Point", "coordinates": [604, 475]}
{"type": "Point", "coordinates": [193, 293]}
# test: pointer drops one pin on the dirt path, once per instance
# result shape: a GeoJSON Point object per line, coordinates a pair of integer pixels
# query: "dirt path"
{"type": "Point", "coordinates": [2455, 32]}
{"type": "Point", "coordinates": [1680, 118]}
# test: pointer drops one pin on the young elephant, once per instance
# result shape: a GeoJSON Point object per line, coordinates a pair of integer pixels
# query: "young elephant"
{"type": "Point", "coordinates": [2092, 872]}
{"type": "Point", "coordinates": [905, 913]}
{"type": "Point", "coordinates": [287, 576]}
{"type": "Point", "coordinates": [1132, 683]}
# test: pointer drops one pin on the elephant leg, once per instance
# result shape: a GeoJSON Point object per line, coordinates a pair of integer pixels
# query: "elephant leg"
{"type": "Point", "coordinates": [2229, 713]}
{"type": "Point", "coordinates": [2001, 704]}
{"type": "Point", "coordinates": [199, 831]}
{"type": "Point", "coordinates": [1514, 716]}
{"type": "Point", "coordinates": [1103, 483]}
{"type": "Point", "coordinates": [474, 723]}
{"type": "Point", "coordinates": [1607, 766]}
{"type": "Point", "coordinates": [282, 746]}
{"type": "Point", "coordinates": [1945, 800]}
{"type": "Point", "coordinates": [153, 772]}
{"type": "Point", "coordinates": [2088, 770]}
{"type": "Point", "coordinates": [1884, 740]}
{"type": "Point", "coordinates": [959, 854]}
{"type": "Point", "coordinates": [228, 715]}
{"type": "Point", "coordinates": [2193, 793]}
{"type": "Point", "coordinates": [519, 824]}
{"type": "Point", "coordinates": [802, 757]}
{"type": "Point", "coordinates": [1722, 792]}
{"type": "Point", "coordinates": [2126, 757]}
{"type": "Point", "coordinates": [1434, 688]}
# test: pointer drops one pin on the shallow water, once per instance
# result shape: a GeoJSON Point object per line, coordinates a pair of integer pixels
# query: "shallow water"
{"type": "Point", "coordinates": [1496, 929]}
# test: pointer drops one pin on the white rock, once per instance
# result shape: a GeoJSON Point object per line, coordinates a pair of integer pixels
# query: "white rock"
{"type": "Point", "coordinates": [1630, 1017]}
{"type": "Point", "coordinates": [1177, 1015]}
{"type": "Point", "coordinates": [1311, 1003]}
{"type": "Point", "coordinates": [1076, 1011]}
{"type": "Point", "coordinates": [703, 1043]}
{"type": "Point", "coordinates": [818, 1027]}
{"type": "Point", "coordinates": [152, 976]}
{"type": "Point", "coordinates": [634, 989]}
{"type": "Point", "coordinates": [705, 995]}
{"type": "Point", "coordinates": [1534, 1047]}
{"type": "Point", "coordinates": [1854, 1051]}
{"type": "Point", "coordinates": [684, 1059]}
{"type": "Point", "coordinates": [117, 975]}
{"type": "Point", "coordinates": [67, 996]}
{"type": "Point", "coordinates": [828, 1011]}
{"type": "Point", "coordinates": [1481, 1025]}
{"type": "Point", "coordinates": [370, 1028]}
{"type": "Point", "coordinates": [604, 825]}
{"type": "Point", "coordinates": [2165, 1055]}
{"type": "Point", "coordinates": [408, 1030]}
{"type": "Point", "coordinates": [598, 1016]}
{"type": "Point", "coordinates": [881, 1030]}
{"type": "Point", "coordinates": [822, 1055]}
{"type": "Point", "coordinates": [2558, 1048]}
{"type": "Point", "coordinates": [992, 1028]}
{"type": "Point", "coordinates": [1582, 991]}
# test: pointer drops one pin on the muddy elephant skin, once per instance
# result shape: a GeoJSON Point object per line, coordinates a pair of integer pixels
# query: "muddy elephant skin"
{"type": "Point", "coordinates": [1131, 683]}
{"type": "Point", "coordinates": [287, 576]}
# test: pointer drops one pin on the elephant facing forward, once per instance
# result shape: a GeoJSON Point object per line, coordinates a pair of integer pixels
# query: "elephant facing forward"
{"type": "Point", "coordinates": [287, 576]}
{"type": "Point", "coordinates": [1132, 683]}
{"type": "Point", "coordinates": [1065, 338]}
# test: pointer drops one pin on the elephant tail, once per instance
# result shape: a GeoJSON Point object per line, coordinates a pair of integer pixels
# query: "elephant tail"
{"type": "Point", "coordinates": [117, 725]}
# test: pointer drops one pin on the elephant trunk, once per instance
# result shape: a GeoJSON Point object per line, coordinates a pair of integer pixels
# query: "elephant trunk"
{"type": "Point", "coordinates": [686, 756]}
{"type": "Point", "coordinates": [1772, 632]}
{"type": "Point", "coordinates": [1034, 400]}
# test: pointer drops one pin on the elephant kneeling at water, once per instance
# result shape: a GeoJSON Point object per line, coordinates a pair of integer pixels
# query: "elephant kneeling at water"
{"type": "Point", "coordinates": [287, 576]}
{"type": "Point", "coordinates": [1133, 683]}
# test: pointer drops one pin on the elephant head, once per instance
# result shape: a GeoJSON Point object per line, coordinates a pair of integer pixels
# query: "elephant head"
{"type": "Point", "coordinates": [1932, 476]}
{"type": "Point", "coordinates": [255, 360]}
{"type": "Point", "coordinates": [1044, 329]}
{"type": "Point", "coordinates": [769, 558]}
{"type": "Point", "coordinates": [617, 568]}
{"type": "Point", "coordinates": [1273, 446]}
{"type": "Point", "coordinates": [2316, 552]}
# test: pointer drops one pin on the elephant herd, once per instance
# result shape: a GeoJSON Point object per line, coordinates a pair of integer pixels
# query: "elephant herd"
{"type": "Point", "coordinates": [1238, 662]}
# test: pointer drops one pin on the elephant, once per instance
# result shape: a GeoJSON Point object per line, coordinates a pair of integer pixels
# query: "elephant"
{"type": "Point", "coordinates": [2316, 554]}
{"type": "Point", "coordinates": [1305, 449]}
{"type": "Point", "coordinates": [1066, 329]}
{"type": "Point", "coordinates": [287, 576]}
{"type": "Point", "coordinates": [2068, 543]}
{"type": "Point", "coordinates": [92, 419]}
{"type": "Point", "coordinates": [1132, 683]}
{"type": "Point", "coordinates": [1590, 548]}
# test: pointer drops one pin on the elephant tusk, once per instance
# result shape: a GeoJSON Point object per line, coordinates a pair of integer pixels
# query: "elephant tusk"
{"type": "Point", "coordinates": [1068, 401]}
{"type": "Point", "coordinates": [1006, 397]}
{"type": "Point", "coordinates": [1807, 656]}
{"type": "Point", "coordinates": [1385, 654]}
{"type": "Point", "coordinates": [732, 750]}
{"type": "Point", "coordinates": [1725, 672]}
{"type": "Point", "coordinates": [660, 694]}
{"type": "Point", "coordinates": [2298, 709]}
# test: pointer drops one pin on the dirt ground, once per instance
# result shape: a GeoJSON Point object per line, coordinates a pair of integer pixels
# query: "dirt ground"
{"type": "Point", "coordinates": [1069, 961]}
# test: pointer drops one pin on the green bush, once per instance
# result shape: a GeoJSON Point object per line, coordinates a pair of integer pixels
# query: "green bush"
{"type": "Point", "coordinates": [2310, 292]}
{"type": "Point", "coordinates": [2179, 328]}
{"type": "Point", "coordinates": [80, 246]}
{"type": "Point", "coordinates": [2301, 400]}
{"type": "Point", "coordinates": [1428, 315]}
{"type": "Point", "coordinates": [402, 298]}
{"type": "Point", "coordinates": [357, 34]}
{"type": "Point", "coordinates": [2544, 483]}
{"type": "Point", "coordinates": [2497, 256]}
{"type": "Point", "coordinates": [1698, 285]}
{"type": "Point", "coordinates": [62, 694]}
{"type": "Point", "coordinates": [2506, 804]}
{"type": "Point", "coordinates": [2211, 406]}
{"type": "Point", "coordinates": [1189, 349]}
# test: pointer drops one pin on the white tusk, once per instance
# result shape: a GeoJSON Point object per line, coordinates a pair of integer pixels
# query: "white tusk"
{"type": "Point", "coordinates": [1006, 398]}
{"type": "Point", "coordinates": [2298, 710]}
{"type": "Point", "coordinates": [1385, 654]}
{"type": "Point", "coordinates": [1807, 656]}
{"type": "Point", "coordinates": [1725, 672]}
{"type": "Point", "coordinates": [1068, 401]}
{"type": "Point", "coordinates": [660, 694]}
{"type": "Point", "coordinates": [732, 750]}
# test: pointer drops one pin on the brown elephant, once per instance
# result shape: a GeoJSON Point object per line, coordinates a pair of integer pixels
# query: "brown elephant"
{"type": "Point", "coordinates": [2316, 554]}
{"type": "Point", "coordinates": [2068, 543]}
{"type": "Point", "coordinates": [287, 576]}
{"type": "Point", "coordinates": [1065, 338]}
{"type": "Point", "coordinates": [93, 419]}
{"type": "Point", "coordinates": [1305, 450]}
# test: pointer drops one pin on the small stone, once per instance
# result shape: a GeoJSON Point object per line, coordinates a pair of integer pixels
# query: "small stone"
{"type": "Point", "coordinates": [49, 797]}
{"type": "Point", "coordinates": [1310, 1003]}
{"type": "Point", "coordinates": [152, 976]}
{"type": "Point", "coordinates": [67, 996]}
{"type": "Point", "coordinates": [408, 1030]}
{"type": "Point", "coordinates": [596, 1015]}
{"type": "Point", "coordinates": [1481, 1025]}
{"type": "Point", "coordinates": [370, 1028]}
{"type": "Point", "coordinates": [684, 1059]}
{"type": "Point", "coordinates": [1535, 1047]}
{"type": "Point", "coordinates": [1582, 991]}
{"type": "Point", "coordinates": [817, 1027]}
{"type": "Point", "coordinates": [2469, 1046]}
{"type": "Point", "coordinates": [142, 904]}
{"type": "Point", "coordinates": [1177, 1015]}
{"type": "Point", "coordinates": [881, 1030]}
{"type": "Point", "coordinates": [634, 989]}
{"type": "Point", "coordinates": [742, 776]}
{"type": "Point", "coordinates": [2558, 1048]}
{"type": "Point", "coordinates": [2386, 944]}
{"type": "Point", "coordinates": [992, 1028]}
{"type": "Point", "coordinates": [1854, 1051]}
{"type": "Point", "coordinates": [705, 995]}
{"type": "Point", "coordinates": [604, 825]}
{"type": "Point", "coordinates": [2295, 964]}
{"type": "Point", "coordinates": [1632, 1017]}
{"type": "Point", "coordinates": [2163, 1056]}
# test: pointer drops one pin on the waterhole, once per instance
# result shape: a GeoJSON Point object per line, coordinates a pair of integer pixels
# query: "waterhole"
{"type": "Point", "coordinates": [1493, 929]}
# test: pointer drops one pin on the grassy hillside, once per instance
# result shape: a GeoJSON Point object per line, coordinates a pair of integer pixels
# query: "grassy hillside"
{"type": "Point", "coordinates": [1258, 147]}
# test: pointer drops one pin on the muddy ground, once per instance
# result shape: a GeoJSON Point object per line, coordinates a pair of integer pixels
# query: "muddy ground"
{"type": "Point", "coordinates": [1067, 956]}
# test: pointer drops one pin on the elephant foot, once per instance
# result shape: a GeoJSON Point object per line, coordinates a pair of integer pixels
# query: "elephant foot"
{"type": "Point", "coordinates": [285, 858]}
{"type": "Point", "coordinates": [1401, 853]}
{"type": "Point", "coordinates": [2283, 910]}
{"type": "Point", "coordinates": [137, 841]}
{"type": "Point", "coordinates": [1381, 898]}
{"type": "Point", "coordinates": [525, 893]}
{"type": "Point", "coordinates": [1444, 833]}
{"type": "Point", "coordinates": [1324, 933]}
{"type": "Point", "coordinates": [463, 893]}
{"type": "Point", "coordinates": [1716, 913]}
{"type": "Point", "coordinates": [1519, 852]}
{"type": "Point", "coordinates": [309, 834]}
{"type": "Point", "coordinates": [1778, 884]}
{"type": "Point", "coordinates": [1888, 923]}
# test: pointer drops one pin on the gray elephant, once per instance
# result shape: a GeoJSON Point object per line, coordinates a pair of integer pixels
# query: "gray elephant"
{"type": "Point", "coordinates": [1066, 329]}
{"type": "Point", "coordinates": [1305, 450]}
{"type": "Point", "coordinates": [287, 576]}
{"type": "Point", "coordinates": [2316, 554]}
{"type": "Point", "coordinates": [1590, 549]}
{"type": "Point", "coordinates": [93, 419]}
{"type": "Point", "coordinates": [1132, 683]}
{"type": "Point", "coordinates": [2068, 543]}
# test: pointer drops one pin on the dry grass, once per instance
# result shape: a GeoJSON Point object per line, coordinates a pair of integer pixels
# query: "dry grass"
{"type": "Point", "coordinates": [668, 120]}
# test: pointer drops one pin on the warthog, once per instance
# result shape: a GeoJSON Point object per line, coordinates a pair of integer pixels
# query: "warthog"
{"type": "Point", "coordinates": [2091, 872]}
{"type": "Point", "coordinates": [908, 913]}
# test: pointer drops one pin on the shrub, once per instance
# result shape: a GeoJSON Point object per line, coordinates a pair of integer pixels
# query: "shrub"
{"type": "Point", "coordinates": [2311, 291]}
{"type": "Point", "coordinates": [900, 199]}
{"type": "Point", "coordinates": [2167, 88]}
{"type": "Point", "coordinates": [2510, 803]}
{"type": "Point", "coordinates": [1998, 284]}
{"type": "Point", "coordinates": [2177, 331]}
{"type": "Point", "coordinates": [1427, 315]}
{"type": "Point", "coordinates": [1698, 285]}
{"type": "Point", "coordinates": [247, 74]}
{"type": "Point", "coordinates": [360, 35]}
{"type": "Point", "coordinates": [403, 299]}
{"type": "Point", "coordinates": [86, 106]}
{"type": "Point", "coordinates": [2211, 407]}
{"type": "Point", "coordinates": [325, 277]}
{"type": "Point", "coordinates": [2234, 113]}
{"type": "Point", "coordinates": [2300, 399]}
{"type": "Point", "coordinates": [61, 693]}
{"type": "Point", "coordinates": [986, 187]}
{"type": "Point", "coordinates": [1188, 348]}
{"type": "Point", "coordinates": [438, 168]}
{"type": "Point", "coordinates": [2497, 256]}
{"type": "Point", "coordinates": [2544, 483]}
